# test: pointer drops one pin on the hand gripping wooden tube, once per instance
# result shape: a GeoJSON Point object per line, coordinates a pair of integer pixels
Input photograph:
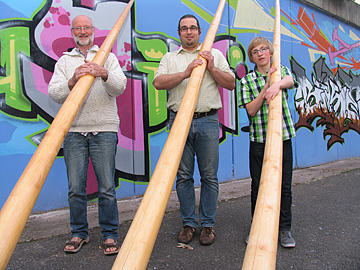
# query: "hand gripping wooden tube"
{"type": "Point", "coordinates": [18, 206]}
{"type": "Point", "coordinates": [140, 239]}
{"type": "Point", "coordinates": [263, 240]}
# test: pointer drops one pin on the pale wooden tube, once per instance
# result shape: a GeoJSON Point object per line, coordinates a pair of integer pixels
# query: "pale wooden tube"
{"type": "Point", "coordinates": [263, 240]}
{"type": "Point", "coordinates": [18, 206]}
{"type": "Point", "coordinates": [140, 239]}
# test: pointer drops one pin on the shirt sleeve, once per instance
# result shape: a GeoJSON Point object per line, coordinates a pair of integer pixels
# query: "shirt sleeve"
{"type": "Point", "coordinates": [115, 85]}
{"type": "Point", "coordinates": [285, 71]}
{"type": "Point", "coordinates": [245, 95]}
{"type": "Point", "coordinates": [58, 88]}
{"type": "Point", "coordinates": [163, 66]}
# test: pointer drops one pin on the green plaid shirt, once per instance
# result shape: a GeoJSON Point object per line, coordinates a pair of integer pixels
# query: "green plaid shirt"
{"type": "Point", "coordinates": [250, 87]}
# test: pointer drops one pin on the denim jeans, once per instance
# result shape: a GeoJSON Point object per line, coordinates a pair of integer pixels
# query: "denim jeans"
{"type": "Point", "coordinates": [256, 160]}
{"type": "Point", "coordinates": [101, 148]}
{"type": "Point", "coordinates": [202, 141]}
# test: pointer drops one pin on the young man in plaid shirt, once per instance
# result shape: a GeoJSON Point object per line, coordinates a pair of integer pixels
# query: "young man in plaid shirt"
{"type": "Point", "coordinates": [255, 95]}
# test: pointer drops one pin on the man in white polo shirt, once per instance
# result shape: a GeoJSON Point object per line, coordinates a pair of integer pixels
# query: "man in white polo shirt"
{"type": "Point", "coordinates": [203, 140]}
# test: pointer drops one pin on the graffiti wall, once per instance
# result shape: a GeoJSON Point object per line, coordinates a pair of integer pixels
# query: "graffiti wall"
{"type": "Point", "coordinates": [322, 52]}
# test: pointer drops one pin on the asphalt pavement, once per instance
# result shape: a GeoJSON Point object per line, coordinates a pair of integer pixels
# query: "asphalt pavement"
{"type": "Point", "coordinates": [326, 227]}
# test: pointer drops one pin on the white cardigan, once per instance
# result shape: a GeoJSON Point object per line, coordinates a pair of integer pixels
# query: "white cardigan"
{"type": "Point", "coordinates": [98, 112]}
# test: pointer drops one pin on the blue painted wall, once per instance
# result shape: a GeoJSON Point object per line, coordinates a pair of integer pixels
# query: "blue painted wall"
{"type": "Point", "coordinates": [322, 52]}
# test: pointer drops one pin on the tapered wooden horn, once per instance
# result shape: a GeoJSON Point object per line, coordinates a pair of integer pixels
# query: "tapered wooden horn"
{"type": "Point", "coordinates": [263, 240]}
{"type": "Point", "coordinates": [140, 239]}
{"type": "Point", "coordinates": [18, 206]}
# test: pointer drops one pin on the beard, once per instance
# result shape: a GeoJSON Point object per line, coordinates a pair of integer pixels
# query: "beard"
{"type": "Point", "coordinates": [190, 43]}
{"type": "Point", "coordinates": [89, 41]}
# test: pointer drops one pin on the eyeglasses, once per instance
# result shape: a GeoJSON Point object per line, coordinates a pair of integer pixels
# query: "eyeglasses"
{"type": "Point", "coordinates": [262, 50]}
{"type": "Point", "coordinates": [85, 28]}
{"type": "Point", "coordinates": [192, 28]}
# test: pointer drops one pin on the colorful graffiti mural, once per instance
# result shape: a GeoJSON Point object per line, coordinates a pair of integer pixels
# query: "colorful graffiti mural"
{"type": "Point", "coordinates": [322, 52]}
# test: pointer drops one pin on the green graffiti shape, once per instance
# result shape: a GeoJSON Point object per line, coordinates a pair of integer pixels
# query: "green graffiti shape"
{"type": "Point", "coordinates": [13, 41]}
{"type": "Point", "coordinates": [156, 98]}
{"type": "Point", "coordinates": [151, 49]}
{"type": "Point", "coordinates": [236, 56]}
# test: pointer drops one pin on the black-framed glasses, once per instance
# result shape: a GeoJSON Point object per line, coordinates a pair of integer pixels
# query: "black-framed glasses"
{"type": "Point", "coordinates": [192, 28]}
{"type": "Point", "coordinates": [262, 50]}
{"type": "Point", "coordinates": [85, 28]}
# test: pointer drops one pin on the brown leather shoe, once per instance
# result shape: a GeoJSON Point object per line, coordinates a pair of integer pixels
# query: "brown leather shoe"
{"type": "Point", "coordinates": [186, 235]}
{"type": "Point", "coordinates": [207, 236]}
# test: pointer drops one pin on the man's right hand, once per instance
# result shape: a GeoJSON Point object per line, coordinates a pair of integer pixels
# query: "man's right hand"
{"type": "Point", "coordinates": [196, 62]}
{"type": "Point", "coordinates": [79, 72]}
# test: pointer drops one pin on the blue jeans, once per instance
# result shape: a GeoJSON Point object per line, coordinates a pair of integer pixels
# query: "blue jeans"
{"type": "Point", "coordinates": [101, 148]}
{"type": "Point", "coordinates": [257, 151]}
{"type": "Point", "coordinates": [202, 141]}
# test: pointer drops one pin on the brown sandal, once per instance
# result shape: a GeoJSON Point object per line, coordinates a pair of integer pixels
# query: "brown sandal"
{"type": "Point", "coordinates": [114, 244]}
{"type": "Point", "coordinates": [77, 245]}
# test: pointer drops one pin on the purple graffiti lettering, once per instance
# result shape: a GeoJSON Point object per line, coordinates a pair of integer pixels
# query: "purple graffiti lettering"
{"type": "Point", "coordinates": [344, 47]}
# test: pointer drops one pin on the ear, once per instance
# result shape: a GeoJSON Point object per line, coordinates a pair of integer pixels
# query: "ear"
{"type": "Point", "coordinates": [199, 31]}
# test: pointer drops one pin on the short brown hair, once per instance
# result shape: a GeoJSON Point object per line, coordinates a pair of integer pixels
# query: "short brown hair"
{"type": "Point", "coordinates": [189, 16]}
{"type": "Point", "coordinates": [256, 42]}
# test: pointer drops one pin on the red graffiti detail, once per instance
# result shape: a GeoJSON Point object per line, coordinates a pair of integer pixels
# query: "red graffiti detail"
{"type": "Point", "coordinates": [241, 71]}
{"type": "Point", "coordinates": [54, 10]}
{"type": "Point", "coordinates": [351, 64]}
{"type": "Point", "coordinates": [46, 24]}
{"type": "Point", "coordinates": [122, 62]}
{"type": "Point", "coordinates": [310, 27]}
{"type": "Point", "coordinates": [126, 127]}
{"type": "Point", "coordinates": [64, 20]}
{"type": "Point", "coordinates": [127, 47]}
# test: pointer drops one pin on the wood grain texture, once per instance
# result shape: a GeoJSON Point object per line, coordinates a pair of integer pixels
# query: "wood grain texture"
{"type": "Point", "coordinates": [263, 240]}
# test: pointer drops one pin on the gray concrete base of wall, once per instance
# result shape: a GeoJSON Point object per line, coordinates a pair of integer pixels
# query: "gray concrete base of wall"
{"type": "Point", "coordinates": [54, 223]}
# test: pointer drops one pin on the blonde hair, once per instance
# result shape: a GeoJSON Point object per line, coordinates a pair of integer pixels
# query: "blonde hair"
{"type": "Point", "coordinates": [256, 42]}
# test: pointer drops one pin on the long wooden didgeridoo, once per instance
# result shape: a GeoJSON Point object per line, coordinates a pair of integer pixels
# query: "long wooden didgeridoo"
{"type": "Point", "coordinates": [263, 241]}
{"type": "Point", "coordinates": [140, 239]}
{"type": "Point", "coordinates": [21, 201]}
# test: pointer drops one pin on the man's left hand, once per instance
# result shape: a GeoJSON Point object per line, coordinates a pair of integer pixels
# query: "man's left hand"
{"type": "Point", "coordinates": [210, 59]}
{"type": "Point", "coordinates": [96, 70]}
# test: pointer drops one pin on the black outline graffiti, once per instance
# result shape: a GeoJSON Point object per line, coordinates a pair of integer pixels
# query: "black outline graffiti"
{"type": "Point", "coordinates": [334, 100]}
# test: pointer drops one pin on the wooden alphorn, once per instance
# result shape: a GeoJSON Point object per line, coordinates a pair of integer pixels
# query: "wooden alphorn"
{"type": "Point", "coordinates": [263, 240]}
{"type": "Point", "coordinates": [140, 239]}
{"type": "Point", "coordinates": [18, 206]}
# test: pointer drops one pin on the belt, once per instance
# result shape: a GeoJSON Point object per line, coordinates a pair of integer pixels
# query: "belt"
{"type": "Point", "coordinates": [202, 114]}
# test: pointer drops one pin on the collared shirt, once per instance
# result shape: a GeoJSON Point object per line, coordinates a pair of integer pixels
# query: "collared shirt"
{"type": "Point", "coordinates": [209, 96]}
{"type": "Point", "coordinates": [86, 133]}
{"type": "Point", "coordinates": [93, 47]}
{"type": "Point", "coordinates": [250, 87]}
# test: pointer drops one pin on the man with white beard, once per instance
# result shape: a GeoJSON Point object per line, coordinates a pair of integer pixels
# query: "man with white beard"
{"type": "Point", "coordinates": [93, 134]}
